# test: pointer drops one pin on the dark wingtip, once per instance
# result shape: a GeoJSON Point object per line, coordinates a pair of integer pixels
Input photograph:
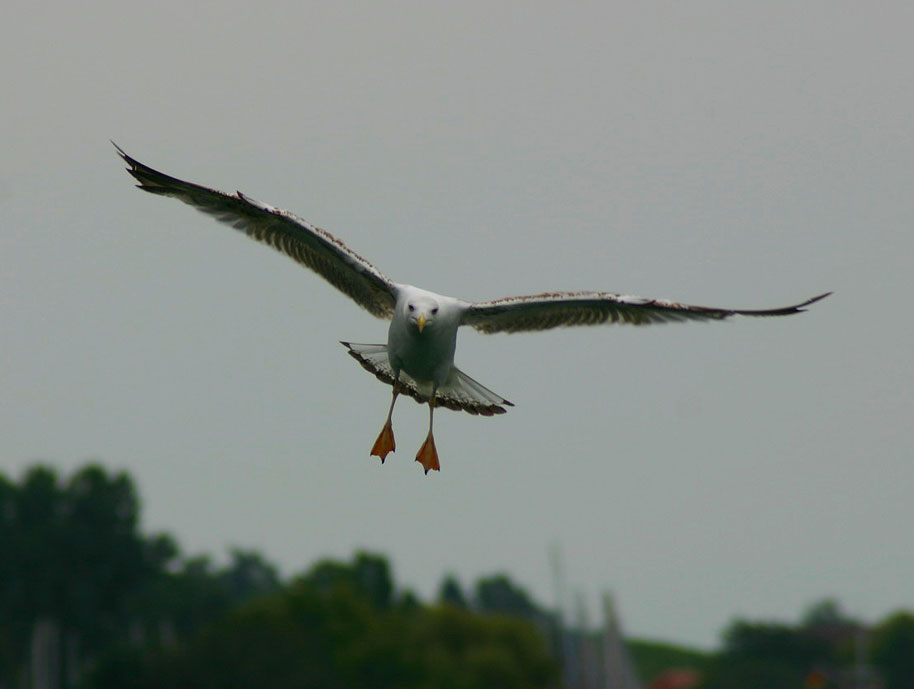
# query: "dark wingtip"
{"type": "Point", "coordinates": [784, 311]}
{"type": "Point", "coordinates": [133, 165]}
{"type": "Point", "coordinates": [799, 307]}
{"type": "Point", "coordinates": [123, 154]}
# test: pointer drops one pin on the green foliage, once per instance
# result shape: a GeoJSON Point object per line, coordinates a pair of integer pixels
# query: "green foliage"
{"type": "Point", "coordinates": [249, 575]}
{"type": "Point", "coordinates": [760, 655]}
{"type": "Point", "coordinates": [320, 634]}
{"type": "Point", "coordinates": [369, 575]}
{"type": "Point", "coordinates": [892, 650]}
{"type": "Point", "coordinates": [498, 594]}
{"type": "Point", "coordinates": [123, 666]}
{"type": "Point", "coordinates": [825, 612]}
{"type": "Point", "coordinates": [770, 641]}
{"type": "Point", "coordinates": [451, 593]}
{"type": "Point", "coordinates": [461, 650]}
{"type": "Point", "coordinates": [187, 598]}
{"type": "Point", "coordinates": [71, 555]}
{"type": "Point", "coordinates": [296, 639]}
{"type": "Point", "coordinates": [826, 621]}
{"type": "Point", "coordinates": [334, 627]}
{"type": "Point", "coordinates": [731, 672]}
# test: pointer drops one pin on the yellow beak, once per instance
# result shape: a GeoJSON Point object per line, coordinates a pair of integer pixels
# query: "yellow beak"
{"type": "Point", "coordinates": [420, 321]}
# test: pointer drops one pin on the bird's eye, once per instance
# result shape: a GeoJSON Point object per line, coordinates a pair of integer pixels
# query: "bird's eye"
{"type": "Point", "coordinates": [435, 310]}
{"type": "Point", "coordinates": [412, 308]}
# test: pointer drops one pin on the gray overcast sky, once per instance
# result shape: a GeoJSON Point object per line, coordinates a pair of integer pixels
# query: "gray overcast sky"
{"type": "Point", "coordinates": [711, 152]}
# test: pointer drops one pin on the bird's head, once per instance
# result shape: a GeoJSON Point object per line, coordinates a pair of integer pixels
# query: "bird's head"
{"type": "Point", "coordinates": [421, 312]}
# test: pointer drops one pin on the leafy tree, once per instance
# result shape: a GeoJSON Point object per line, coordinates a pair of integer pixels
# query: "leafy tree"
{"type": "Point", "coordinates": [38, 574]}
{"type": "Point", "coordinates": [827, 611]}
{"type": "Point", "coordinates": [13, 623]}
{"type": "Point", "coordinates": [249, 575]}
{"type": "Point", "coordinates": [775, 642]}
{"type": "Point", "coordinates": [173, 608]}
{"type": "Point", "coordinates": [729, 672]}
{"type": "Point", "coordinates": [102, 556]}
{"type": "Point", "coordinates": [892, 650]}
{"type": "Point", "coordinates": [498, 594]}
{"type": "Point", "coordinates": [334, 637]}
{"type": "Point", "coordinates": [72, 556]}
{"type": "Point", "coordinates": [295, 639]}
{"type": "Point", "coordinates": [71, 553]}
{"type": "Point", "coordinates": [372, 572]}
{"type": "Point", "coordinates": [461, 649]}
{"type": "Point", "coordinates": [178, 603]}
{"type": "Point", "coordinates": [451, 593]}
{"type": "Point", "coordinates": [408, 602]}
{"type": "Point", "coordinates": [369, 575]}
{"type": "Point", "coordinates": [827, 622]}
{"type": "Point", "coordinates": [765, 656]}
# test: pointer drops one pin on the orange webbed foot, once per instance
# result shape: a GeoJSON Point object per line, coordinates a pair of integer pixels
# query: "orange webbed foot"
{"type": "Point", "coordinates": [385, 443]}
{"type": "Point", "coordinates": [428, 455]}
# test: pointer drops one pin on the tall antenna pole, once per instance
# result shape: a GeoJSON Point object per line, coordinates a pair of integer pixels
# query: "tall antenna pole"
{"type": "Point", "coordinates": [588, 651]}
{"type": "Point", "coordinates": [558, 579]}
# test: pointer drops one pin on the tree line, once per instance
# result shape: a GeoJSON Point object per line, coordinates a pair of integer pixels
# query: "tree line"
{"type": "Point", "coordinates": [103, 605]}
{"type": "Point", "coordinates": [88, 601]}
{"type": "Point", "coordinates": [827, 649]}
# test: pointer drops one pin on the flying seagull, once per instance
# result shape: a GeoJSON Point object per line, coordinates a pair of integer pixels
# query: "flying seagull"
{"type": "Point", "coordinates": [418, 359]}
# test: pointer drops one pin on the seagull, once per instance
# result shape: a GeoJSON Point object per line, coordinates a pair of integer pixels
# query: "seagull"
{"type": "Point", "coordinates": [418, 359]}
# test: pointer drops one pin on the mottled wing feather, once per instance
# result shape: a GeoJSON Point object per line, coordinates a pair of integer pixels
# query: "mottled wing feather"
{"type": "Point", "coordinates": [309, 245]}
{"type": "Point", "coordinates": [560, 309]}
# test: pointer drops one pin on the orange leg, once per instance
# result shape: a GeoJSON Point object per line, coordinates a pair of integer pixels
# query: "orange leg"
{"type": "Point", "coordinates": [428, 455]}
{"type": "Point", "coordinates": [385, 443]}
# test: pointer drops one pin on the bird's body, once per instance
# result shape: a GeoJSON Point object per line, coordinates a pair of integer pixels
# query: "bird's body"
{"type": "Point", "coordinates": [426, 355]}
{"type": "Point", "coordinates": [418, 358]}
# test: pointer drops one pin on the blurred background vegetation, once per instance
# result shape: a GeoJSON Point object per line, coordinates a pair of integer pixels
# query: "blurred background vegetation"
{"type": "Point", "coordinates": [88, 601]}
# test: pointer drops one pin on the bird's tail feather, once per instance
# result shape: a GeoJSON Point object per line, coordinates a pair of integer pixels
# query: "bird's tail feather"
{"type": "Point", "coordinates": [459, 392]}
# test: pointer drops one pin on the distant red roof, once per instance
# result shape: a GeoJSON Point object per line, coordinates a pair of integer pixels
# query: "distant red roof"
{"type": "Point", "coordinates": [676, 679]}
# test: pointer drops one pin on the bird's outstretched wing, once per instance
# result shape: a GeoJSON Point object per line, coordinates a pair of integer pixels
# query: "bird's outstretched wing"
{"type": "Point", "coordinates": [558, 309]}
{"type": "Point", "coordinates": [309, 245]}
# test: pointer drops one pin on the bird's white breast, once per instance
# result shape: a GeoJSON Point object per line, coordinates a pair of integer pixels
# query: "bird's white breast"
{"type": "Point", "coordinates": [428, 355]}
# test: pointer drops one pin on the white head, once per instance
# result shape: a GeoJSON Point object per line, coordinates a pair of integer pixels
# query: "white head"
{"type": "Point", "coordinates": [421, 311]}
